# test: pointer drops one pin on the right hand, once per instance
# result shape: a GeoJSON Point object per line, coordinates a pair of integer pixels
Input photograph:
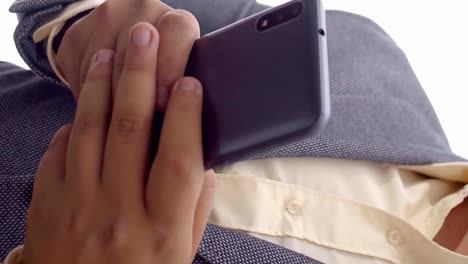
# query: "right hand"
{"type": "Point", "coordinates": [107, 27]}
{"type": "Point", "coordinates": [97, 197]}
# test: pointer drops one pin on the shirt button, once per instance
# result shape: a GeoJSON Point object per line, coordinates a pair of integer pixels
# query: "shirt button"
{"type": "Point", "coordinates": [394, 237]}
{"type": "Point", "coordinates": [294, 207]}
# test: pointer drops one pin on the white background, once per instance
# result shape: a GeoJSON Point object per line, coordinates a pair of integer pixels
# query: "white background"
{"type": "Point", "coordinates": [434, 35]}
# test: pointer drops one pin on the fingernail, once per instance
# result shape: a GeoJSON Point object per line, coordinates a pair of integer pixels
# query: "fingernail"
{"type": "Point", "coordinates": [185, 85]}
{"type": "Point", "coordinates": [104, 56]}
{"type": "Point", "coordinates": [141, 36]}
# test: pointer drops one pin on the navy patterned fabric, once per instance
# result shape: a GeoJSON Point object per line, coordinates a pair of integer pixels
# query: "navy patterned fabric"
{"type": "Point", "coordinates": [379, 113]}
{"type": "Point", "coordinates": [220, 245]}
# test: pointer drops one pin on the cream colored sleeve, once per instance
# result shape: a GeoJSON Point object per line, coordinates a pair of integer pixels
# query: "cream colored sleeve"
{"type": "Point", "coordinates": [52, 28]}
{"type": "Point", "coordinates": [15, 256]}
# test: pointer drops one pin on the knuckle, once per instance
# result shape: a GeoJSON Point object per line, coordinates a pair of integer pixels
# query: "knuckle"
{"type": "Point", "coordinates": [118, 237]}
{"type": "Point", "coordinates": [182, 20]}
{"type": "Point", "coordinates": [161, 239]}
{"type": "Point", "coordinates": [129, 128]}
{"type": "Point", "coordinates": [137, 66]}
{"type": "Point", "coordinates": [104, 12]}
{"type": "Point", "coordinates": [87, 122]}
{"type": "Point", "coordinates": [177, 163]}
{"type": "Point", "coordinates": [79, 222]}
{"type": "Point", "coordinates": [39, 212]}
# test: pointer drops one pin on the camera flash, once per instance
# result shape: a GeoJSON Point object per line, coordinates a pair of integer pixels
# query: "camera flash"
{"type": "Point", "coordinates": [264, 23]}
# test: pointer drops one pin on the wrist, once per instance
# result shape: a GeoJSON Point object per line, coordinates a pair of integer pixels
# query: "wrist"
{"type": "Point", "coordinates": [58, 39]}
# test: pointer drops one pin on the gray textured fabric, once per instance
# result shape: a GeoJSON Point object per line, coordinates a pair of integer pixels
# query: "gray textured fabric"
{"type": "Point", "coordinates": [31, 15]}
{"type": "Point", "coordinates": [379, 112]}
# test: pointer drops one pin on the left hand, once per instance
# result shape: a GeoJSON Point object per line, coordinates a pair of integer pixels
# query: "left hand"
{"type": "Point", "coordinates": [108, 26]}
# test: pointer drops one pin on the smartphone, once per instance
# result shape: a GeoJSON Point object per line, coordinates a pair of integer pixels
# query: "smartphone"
{"type": "Point", "coordinates": [265, 81]}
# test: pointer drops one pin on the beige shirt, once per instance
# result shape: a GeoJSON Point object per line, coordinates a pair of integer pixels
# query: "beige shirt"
{"type": "Point", "coordinates": [343, 211]}
{"type": "Point", "coordinates": [335, 211]}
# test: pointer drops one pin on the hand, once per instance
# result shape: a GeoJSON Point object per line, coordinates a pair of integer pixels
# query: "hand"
{"type": "Point", "coordinates": [97, 197]}
{"type": "Point", "coordinates": [107, 27]}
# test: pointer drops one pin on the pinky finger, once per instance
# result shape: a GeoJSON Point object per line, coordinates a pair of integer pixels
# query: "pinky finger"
{"type": "Point", "coordinates": [51, 169]}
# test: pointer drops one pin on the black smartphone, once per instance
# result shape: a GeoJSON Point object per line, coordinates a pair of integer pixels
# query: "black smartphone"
{"type": "Point", "coordinates": [265, 81]}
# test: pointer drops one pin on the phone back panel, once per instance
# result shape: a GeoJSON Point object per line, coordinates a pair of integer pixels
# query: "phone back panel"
{"type": "Point", "coordinates": [262, 89]}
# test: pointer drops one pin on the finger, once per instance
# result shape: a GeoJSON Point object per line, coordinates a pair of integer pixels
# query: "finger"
{"type": "Point", "coordinates": [88, 136]}
{"type": "Point", "coordinates": [150, 15]}
{"type": "Point", "coordinates": [105, 30]}
{"type": "Point", "coordinates": [178, 30]}
{"type": "Point", "coordinates": [52, 167]}
{"type": "Point", "coordinates": [176, 177]}
{"type": "Point", "coordinates": [202, 212]}
{"type": "Point", "coordinates": [72, 50]}
{"type": "Point", "coordinates": [128, 141]}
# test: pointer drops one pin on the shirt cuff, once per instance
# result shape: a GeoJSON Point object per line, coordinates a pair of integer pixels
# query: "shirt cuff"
{"type": "Point", "coordinates": [52, 28]}
{"type": "Point", "coordinates": [70, 11]}
{"type": "Point", "coordinates": [15, 256]}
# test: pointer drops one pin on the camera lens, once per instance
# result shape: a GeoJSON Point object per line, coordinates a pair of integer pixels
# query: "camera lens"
{"type": "Point", "coordinates": [264, 23]}
{"type": "Point", "coordinates": [280, 17]}
{"type": "Point", "coordinates": [295, 11]}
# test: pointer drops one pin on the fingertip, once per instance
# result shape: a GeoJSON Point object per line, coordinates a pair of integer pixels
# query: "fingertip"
{"type": "Point", "coordinates": [100, 66]}
{"type": "Point", "coordinates": [184, 85]}
{"type": "Point", "coordinates": [143, 34]}
{"type": "Point", "coordinates": [187, 84]}
{"type": "Point", "coordinates": [141, 53]}
{"type": "Point", "coordinates": [182, 20]}
{"type": "Point", "coordinates": [103, 56]}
